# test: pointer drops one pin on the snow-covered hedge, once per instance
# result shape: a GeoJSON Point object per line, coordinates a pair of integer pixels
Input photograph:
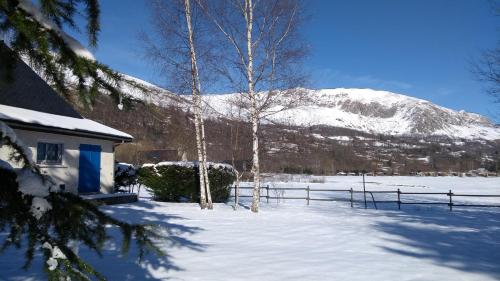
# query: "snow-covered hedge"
{"type": "Point", "coordinates": [179, 181]}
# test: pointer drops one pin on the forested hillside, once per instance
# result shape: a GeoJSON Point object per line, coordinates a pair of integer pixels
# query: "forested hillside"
{"type": "Point", "coordinates": [167, 133]}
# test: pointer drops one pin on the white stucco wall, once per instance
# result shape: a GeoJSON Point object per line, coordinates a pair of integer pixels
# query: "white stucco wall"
{"type": "Point", "coordinates": [67, 172]}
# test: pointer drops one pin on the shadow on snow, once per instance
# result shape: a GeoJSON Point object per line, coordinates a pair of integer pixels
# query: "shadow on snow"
{"type": "Point", "coordinates": [465, 239]}
{"type": "Point", "coordinates": [117, 266]}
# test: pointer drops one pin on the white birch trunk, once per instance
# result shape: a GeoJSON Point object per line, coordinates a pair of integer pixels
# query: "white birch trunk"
{"type": "Point", "coordinates": [198, 121]}
{"type": "Point", "coordinates": [204, 153]}
{"type": "Point", "coordinates": [254, 112]}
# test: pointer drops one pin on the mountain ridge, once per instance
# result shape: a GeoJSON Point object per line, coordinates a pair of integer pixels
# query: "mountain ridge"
{"type": "Point", "coordinates": [360, 109]}
{"type": "Point", "coordinates": [375, 112]}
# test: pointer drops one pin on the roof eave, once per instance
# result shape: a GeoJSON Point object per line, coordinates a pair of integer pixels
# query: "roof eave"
{"type": "Point", "coordinates": [80, 133]}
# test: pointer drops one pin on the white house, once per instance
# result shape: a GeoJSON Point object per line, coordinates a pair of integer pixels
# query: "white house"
{"type": "Point", "coordinates": [77, 153]}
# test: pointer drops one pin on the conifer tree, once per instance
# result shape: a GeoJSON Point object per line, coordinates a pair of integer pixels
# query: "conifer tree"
{"type": "Point", "coordinates": [35, 31]}
{"type": "Point", "coordinates": [32, 208]}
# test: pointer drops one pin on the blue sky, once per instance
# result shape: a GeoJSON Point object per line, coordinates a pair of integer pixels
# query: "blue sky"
{"type": "Point", "coordinates": [421, 48]}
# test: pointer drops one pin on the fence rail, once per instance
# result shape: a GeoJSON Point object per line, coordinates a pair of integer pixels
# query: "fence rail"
{"type": "Point", "coordinates": [351, 199]}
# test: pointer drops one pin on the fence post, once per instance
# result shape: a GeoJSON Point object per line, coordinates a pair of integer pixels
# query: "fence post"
{"type": "Point", "coordinates": [451, 200]}
{"type": "Point", "coordinates": [267, 194]}
{"type": "Point", "coordinates": [399, 199]}
{"type": "Point", "coordinates": [307, 195]}
{"type": "Point", "coordinates": [351, 191]}
{"type": "Point", "coordinates": [235, 196]}
{"type": "Point", "coordinates": [364, 190]}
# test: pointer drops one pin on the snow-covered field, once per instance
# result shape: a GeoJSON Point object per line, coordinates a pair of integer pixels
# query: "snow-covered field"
{"type": "Point", "coordinates": [322, 241]}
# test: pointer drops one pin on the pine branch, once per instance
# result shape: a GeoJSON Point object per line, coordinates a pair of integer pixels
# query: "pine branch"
{"type": "Point", "coordinates": [70, 219]}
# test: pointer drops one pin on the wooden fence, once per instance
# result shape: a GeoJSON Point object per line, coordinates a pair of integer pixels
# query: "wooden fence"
{"type": "Point", "coordinates": [308, 192]}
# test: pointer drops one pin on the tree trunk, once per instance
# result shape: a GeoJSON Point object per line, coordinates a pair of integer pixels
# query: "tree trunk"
{"type": "Point", "coordinates": [204, 155]}
{"type": "Point", "coordinates": [237, 190]}
{"type": "Point", "coordinates": [234, 149]}
{"type": "Point", "coordinates": [256, 166]}
{"type": "Point", "coordinates": [254, 110]}
{"type": "Point", "coordinates": [198, 121]}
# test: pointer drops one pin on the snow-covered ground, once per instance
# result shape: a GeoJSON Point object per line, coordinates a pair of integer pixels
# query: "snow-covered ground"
{"type": "Point", "coordinates": [322, 241]}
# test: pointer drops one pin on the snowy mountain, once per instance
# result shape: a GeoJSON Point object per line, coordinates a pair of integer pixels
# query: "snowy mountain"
{"type": "Point", "coordinates": [356, 129]}
{"type": "Point", "coordinates": [365, 110]}
{"type": "Point", "coordinates": [371, 111]}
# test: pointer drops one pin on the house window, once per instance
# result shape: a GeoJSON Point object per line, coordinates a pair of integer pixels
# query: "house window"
{"type": "Point", "coordinates": [49, 153]}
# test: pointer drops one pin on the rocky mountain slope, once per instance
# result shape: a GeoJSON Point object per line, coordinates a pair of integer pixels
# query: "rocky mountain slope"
{"type": "Point", "coordinates": [374, 112]}
{"type": "Point", "coordinates": [365, 110]}
{"type": "Point", "coordinates": [163, 130]}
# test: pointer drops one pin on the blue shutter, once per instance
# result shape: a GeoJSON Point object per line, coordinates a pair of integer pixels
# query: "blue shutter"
{"type": "Point", "coordinates": [89, 179]}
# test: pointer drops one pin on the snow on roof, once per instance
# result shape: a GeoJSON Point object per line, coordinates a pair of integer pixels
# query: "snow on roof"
{"type": "Point", "coordinates": [10, 113]}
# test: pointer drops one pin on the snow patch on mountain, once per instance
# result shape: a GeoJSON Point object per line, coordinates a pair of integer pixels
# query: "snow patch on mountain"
{"type": "Point", "coordinates": [144, 91]}
{"type": "Point", "coordinates": [367, 110]}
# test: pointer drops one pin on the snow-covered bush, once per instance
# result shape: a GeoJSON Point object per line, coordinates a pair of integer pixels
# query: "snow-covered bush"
{"type": "Point", "coordinates": [179, 181]}
{"type": "Point", "coordinates": [171, 183]}
{"type": "Point", "coordinates": [222, 177]}
{"type": "Point", "coordinates": [125, 175]}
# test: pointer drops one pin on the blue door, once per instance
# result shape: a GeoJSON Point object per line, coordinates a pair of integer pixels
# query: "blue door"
{"type": "Point", "coordinates": [89, 179]}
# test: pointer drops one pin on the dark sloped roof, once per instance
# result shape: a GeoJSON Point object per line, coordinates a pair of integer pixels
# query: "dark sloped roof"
{"type": "Point", "coordinates": [30, 91]}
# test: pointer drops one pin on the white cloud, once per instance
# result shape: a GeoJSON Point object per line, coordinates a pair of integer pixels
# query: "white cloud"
{"type": "Point", "coordinates": [334, 78]}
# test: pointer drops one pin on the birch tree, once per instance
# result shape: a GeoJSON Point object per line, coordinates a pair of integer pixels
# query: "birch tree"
{"type": "Point", "coordinates": [261, 55]}
{"type": "Point", "coordinates": [198, 120]}
{"type": "Point", "coordinates": [174, 50]}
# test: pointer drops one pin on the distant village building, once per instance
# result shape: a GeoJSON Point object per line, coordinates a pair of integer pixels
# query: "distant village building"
{"type": "Point", "coordinates": [76, 152]}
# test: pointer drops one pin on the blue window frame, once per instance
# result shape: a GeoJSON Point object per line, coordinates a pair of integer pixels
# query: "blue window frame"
{"type": "Point", "coordinates": [49, 153]}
